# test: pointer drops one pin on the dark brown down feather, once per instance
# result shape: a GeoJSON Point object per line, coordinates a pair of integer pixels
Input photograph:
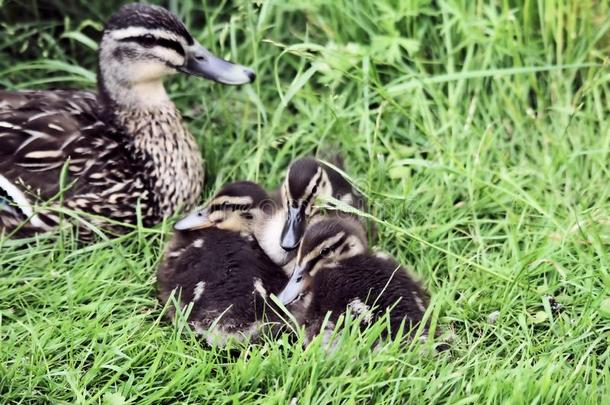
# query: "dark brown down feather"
{"type": "Point", "coordinates": [229, 264]}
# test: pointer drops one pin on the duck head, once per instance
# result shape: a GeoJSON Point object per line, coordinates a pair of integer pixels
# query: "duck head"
{"type": "Point", "coordinates": [307, 179]}
{"type": "Point", "coordinates": [238, 207]}
{"type": "Point", "coordinates": [324, 244]}
{"type": "Point", "coordinates": [142, 44]}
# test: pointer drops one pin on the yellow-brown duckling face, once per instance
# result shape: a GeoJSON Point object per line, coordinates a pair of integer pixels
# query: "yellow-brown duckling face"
{"type": "Point", "coordinates": [306, 181]}
{"type": "Point", "coordinates": [236, 207]}
{"type": "Point", "coordinates": [324, 245]}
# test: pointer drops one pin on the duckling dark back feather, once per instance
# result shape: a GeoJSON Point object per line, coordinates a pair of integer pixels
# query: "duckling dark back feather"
{"type": "Point", "coordinates": [49, 131]}
{"type": "Point", "coordinates": [369, 283]}
{"type": "Point", "coordinates": [335, 271]}
{"type": "Point", "coordinates": [225, 275]}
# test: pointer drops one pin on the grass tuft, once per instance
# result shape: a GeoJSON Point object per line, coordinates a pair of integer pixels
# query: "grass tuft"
{"type": "Point", "coordinates": [480, 132]}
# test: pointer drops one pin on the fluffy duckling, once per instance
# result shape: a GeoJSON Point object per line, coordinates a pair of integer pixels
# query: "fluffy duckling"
{"type": "Point", "coordinates": [215, 264]}
{"type": "Point", "coordinates": [335, 271]}
{"type": "Point", "coordinates": [306, 180]}
{"type": "Point", "coordinates": [282, 221]}
{"type": "Point", "coordinates": [265, 225]}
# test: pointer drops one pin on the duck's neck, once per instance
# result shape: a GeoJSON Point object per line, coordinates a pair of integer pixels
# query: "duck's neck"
{"type": "Point", "coordinates": [167, 153]}
{"type": "Point", "coordinates": [267, 232]}
{"type": "Point", "coordinates": [154, 131]}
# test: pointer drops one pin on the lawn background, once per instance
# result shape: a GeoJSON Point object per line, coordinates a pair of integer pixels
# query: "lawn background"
{"type": "Point", "coordinates": [478, 129]}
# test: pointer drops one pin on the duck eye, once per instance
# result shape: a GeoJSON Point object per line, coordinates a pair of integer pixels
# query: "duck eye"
{"type": "Point", "coordinates": [147, 40]}
{"type": "Point", "coordinates": [325, 252]}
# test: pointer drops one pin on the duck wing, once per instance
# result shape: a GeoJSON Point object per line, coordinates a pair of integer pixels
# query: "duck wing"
{"type": "Point", "coordinates": [40, 132]}
{"type": "Point", "coordinates": [43, 133]}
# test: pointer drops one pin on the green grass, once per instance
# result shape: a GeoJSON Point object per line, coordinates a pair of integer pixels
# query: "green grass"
{"type": "Point", "coordinates": [478, 129]}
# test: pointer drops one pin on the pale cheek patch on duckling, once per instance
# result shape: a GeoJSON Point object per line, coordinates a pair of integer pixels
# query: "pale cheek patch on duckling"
{"type": "Point", "coordinates": [268, 237]}
{"type": "Point", "coordinates": [232, 223]}
{"type": "Point", "coordinates": [325, 188]}
{"type": "Point", "coordinates": [246, 236]}
{"type": "Point", "coordinates": [351, 247]}
{"type": "Point", "coordinates": [198, 243]}
{"type": "Point", "coordinates": [347, 199]}
{"type": "Point", "coordinates": [326, 264]}
{"type": "Point", "coordinates": [314, 190]}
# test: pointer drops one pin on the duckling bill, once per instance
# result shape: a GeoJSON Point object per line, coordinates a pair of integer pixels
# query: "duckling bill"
{"type": "Point", "coordinates": [308, 179]}
{"type": "Point", "coordinates": [214, 264]}
{"type": "Point", "coordinates": [335, 271]}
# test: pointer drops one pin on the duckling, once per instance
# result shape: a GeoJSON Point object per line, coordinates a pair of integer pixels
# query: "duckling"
{"type": "Point", "coordinates": [265, 226]}
{"type": "Point", "coordinates": [335, 271]}
{"type": "Point", "coordinates": [306, 180]}
{"type": "Point", "coordinates": [284, 217]}
{"type": "Point", "coordinates": [122, 148]}
{"type": "Point", "coordinates": [215, 264]}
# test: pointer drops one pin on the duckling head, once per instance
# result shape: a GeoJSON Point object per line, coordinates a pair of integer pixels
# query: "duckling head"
{"type": "Point", "coordinates": [306, 180]}
{"type": "Point", "coordinates": [238, 207]}
{"type": "Point", "coordinates": [324, 244]}
{"type": "Point", "coordinates": [142, 44]}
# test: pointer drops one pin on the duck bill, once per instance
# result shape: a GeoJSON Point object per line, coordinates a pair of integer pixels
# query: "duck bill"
{"type": "Point", "coordinates": [293, 229]}
{"type": "Point", "coordinates": [197, 219]}
{"type": "Point", "coordinates": [294, 288]}
{"type": "Point", "coordinates": [201, 62]}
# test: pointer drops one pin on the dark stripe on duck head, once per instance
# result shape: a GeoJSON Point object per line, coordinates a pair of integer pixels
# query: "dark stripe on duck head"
{"type": "Point", "coordinates": [150, 17]}
{"type": "Point", "coordinates": [314, 190]}
{"type": "Point", "coordinates": [149, 40]}
{"type": "Point", "coordinates": [231, 207]}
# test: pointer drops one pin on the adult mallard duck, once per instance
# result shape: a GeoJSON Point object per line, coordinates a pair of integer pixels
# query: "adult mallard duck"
{"type": "Point", "coordinates": [122, 148]}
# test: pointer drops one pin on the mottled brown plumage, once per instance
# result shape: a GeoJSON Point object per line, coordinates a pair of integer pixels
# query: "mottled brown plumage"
{"type": "Point", "coordinates": [123, 148]}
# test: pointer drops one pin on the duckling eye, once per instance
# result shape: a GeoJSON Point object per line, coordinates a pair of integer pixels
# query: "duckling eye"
{"type": "Point", "coordinates": [247, 215]}
{"type": "Point", "coordinates": [148, 40]}
{"type": "Point", "coordinates": [325, 252]}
